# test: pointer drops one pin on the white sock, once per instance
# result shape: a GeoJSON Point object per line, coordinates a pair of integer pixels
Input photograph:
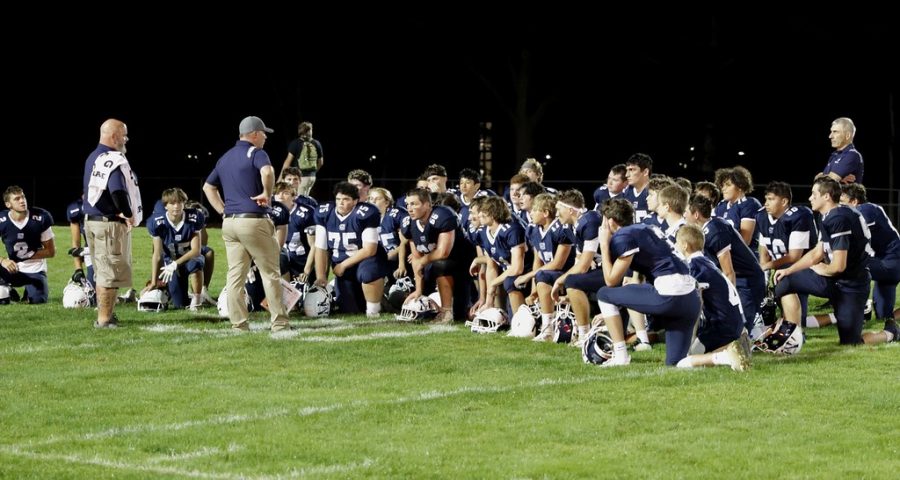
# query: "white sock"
{"type": "Point", "coordinates": [620, 350]}
{"type": "Point", "coordinates": [373, 307]}
{"type": "Point", "coordinates": [890, 336]}
{"type": "Point", "coordinates": [204, 292]}
{"type": "Point", "coordinates": [642, 336]}
{"type": "Point", "coordinates": [719, 358]}
{"type": "Point", "coordinates": [812, 322]}
{"type": "Point", "coordinates": [583, 330]}
{"type": "Point", "coordinates": [546, 320]}
{"type": "Point", "coordinates": [195, 300]}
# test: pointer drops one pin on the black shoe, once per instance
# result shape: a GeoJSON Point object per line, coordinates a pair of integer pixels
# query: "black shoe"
{"type": "Point", "coordinates": [14, 295]}
{"type": "Point", "coordinates": [113, 323]}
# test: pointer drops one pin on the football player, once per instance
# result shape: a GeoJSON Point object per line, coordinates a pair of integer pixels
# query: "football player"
{"type": "Point", "coordinates": [176, 246]}
{"type": "Point", "coordinates": [638, 168]}
{"type": "Point", "coordinates": [503, 241]}
{"type": "Point", "coordinates": [348, 229]}
{"type": "Point", "coordinates": [439, 254]}
{"type": "Point", "coordinates": [28, 237]}
{"type": "Point", "coordinates": [844, 279]}
{"type": "Point", "coordinates": [669, 294]}
{"type": "Point", "coordinates": [741, 210]}
{"type": "Point", "coordinates": [615, 184]}
{"type": "Point", "coordinates": [721, 338]}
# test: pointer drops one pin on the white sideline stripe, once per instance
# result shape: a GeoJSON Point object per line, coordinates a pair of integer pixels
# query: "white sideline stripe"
{"type": "Point", "coordinates": [296, 335]}
{"type": "Point", "coordinates": [312, 410]}
{"type": "Point", "coordinates": [203, 452]}
{"type": "Point", "coordinates": [162, 470]}
{"type": "Point", "coordinates": [25, 349]}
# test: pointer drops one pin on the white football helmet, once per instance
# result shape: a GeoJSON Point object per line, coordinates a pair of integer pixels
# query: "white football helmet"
{"type": "Point", "coordinates": [784, 338]}
{"type": "Point", "coordinates": [436, 298]}
{"type": "Point", "coordinates": [222, 302]}
{"type": "Point", "coordinates": [597, 348]}
{"type": "Point", "coordinates": [526, 321]}
{"type": "Point", "coordinates": [317, 302]}
{"type": "Point", "coordinates": [564, 323]}
{"type": "Point", "coordinates": [398, 292]}
{"type": "Point", "coordinates": [422, 308]}
{"type": "Point", "coordinates": [490, 320]}
{"type": "Point", "coordinates": [155, 300]}
{"type": "Point", "coordinates": [4, 295]}
{"type": "Point", "coordinates": [77, 295]}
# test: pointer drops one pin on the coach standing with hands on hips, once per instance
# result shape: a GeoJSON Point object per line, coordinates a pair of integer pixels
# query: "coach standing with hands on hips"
{"type": "Point", "coordinates": [247, 178]}
{"type": "Point", "coordinates": [112, 206]}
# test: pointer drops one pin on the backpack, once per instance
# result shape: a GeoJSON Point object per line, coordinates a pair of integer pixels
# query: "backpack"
{"type": "Point", "coordinates": [309, 156]}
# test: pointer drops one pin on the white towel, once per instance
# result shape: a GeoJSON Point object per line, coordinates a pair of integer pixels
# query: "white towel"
{"type": "Point", "coordinates": [103, 167]}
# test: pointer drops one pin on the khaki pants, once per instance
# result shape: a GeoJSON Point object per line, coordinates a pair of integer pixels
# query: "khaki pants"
{"type": "Point", "coordinates": [306, 184]}
{"type": "Point", "coordinates": [110, 244]}
{"type": "Point", "coordinates": [246, 239]}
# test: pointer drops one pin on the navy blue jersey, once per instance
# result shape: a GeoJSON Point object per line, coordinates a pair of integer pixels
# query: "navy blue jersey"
{"type": "Point", "coordinates": [115, 183]}
{"type": "Point", "coordinates": [345, 235]}
{"type": "Point", "coordinates": [159, 208]}
{"type": "Point", "coordinates": [307, 201]}
{"type": "Point", "coordinates": [587, 231]}
{"type": "Point", "coordinates": [638, 201]}
{"type": "Point", "coordinates": [278, 212]}
{"type": "Point", "coordinates": [794, 230]}
{"type": "Point", "coordinates": [602, 194]}
{"type": "Point", "coordinates": [654, 220]}
{"type": "Point", "coordinates": [719, 210]}
{"type": "Point", "coordinates": [721, 302]}
{"type": "Point", "coordinates": [424, 236]}
{"type": "Point", "coordinates": [176, 239]}
{"type": "Point", "coordinates": [24, 240]}
{"type": "Point", "coordinates": [545, 242]}
{"type": "Point", "coordinates": [390, 227]}
{"type": "Point", "coordinates": [653, 254]}
{"type": "Point", "coordinates": [845, 162]}
{"type": "Point", "coordinates": [499, 245]}
{"type": "Point", "coordinates": [746, 208]}
{"type": "Point", "coordinates": [473, 234]}
{"type": "Point", "coordinates": [844, 228]}
{"type": "Point", "coordinates": [302, 222]}
{"type": "Point", "coordinates": [75, 214]}
{"type": "Point", "coordinates": [885, 240]}
{"type": "Point", "coordinates": [722, 237]}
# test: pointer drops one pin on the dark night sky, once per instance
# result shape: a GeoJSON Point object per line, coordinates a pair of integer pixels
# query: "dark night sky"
{"type": "Point", "coordinates": [406, 90]}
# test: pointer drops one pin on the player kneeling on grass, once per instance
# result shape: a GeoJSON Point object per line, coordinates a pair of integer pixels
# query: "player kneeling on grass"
{"type": "Point", "coordinates": [845, 278]}
{"type": "Point", "coordinates": [721, 330]}
{"type": "Point", "coordinates": [176, 240]}
{"type": "Point", "coordinates": [29, 243]}
{"type": "Point", "coordinates": [669, 294]}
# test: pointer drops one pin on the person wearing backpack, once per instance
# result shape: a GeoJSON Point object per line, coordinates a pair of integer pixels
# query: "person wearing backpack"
{"type": "Point", "coordinates": [307, 152]}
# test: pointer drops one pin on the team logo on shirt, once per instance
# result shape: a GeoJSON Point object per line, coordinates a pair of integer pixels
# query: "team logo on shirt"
{"type": "Point", "coordinates": [342, 227]}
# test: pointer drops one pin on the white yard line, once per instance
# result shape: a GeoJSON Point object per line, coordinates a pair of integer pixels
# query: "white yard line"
{"type": "Point", "coordinates": [313, 410]}
{"type": "Point", "coordinates": [203, 452]}
{"type": "Point", "coordinates": [300, 337]}
{"type": "Point", "coordinates": [193, 473]}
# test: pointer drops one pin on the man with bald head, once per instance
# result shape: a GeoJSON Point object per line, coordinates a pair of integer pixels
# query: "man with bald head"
{"type": "Point", "coordinates": [845, 164]}
{"type": "Point", "coordinates": [112, 207]}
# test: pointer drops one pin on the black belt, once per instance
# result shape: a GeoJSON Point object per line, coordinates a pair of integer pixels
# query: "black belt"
{"type": "Point", "coordinates": [101, 218]}
{"type": "Point", "coordinates": [245, 215]}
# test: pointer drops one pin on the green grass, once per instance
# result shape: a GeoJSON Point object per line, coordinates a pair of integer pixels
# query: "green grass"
{"type": "Point", "coordinates": [176, 395]}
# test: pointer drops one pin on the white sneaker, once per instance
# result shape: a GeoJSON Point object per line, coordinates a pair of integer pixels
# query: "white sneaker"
{"type": "Point", "coordinates": [545, 335]}
{"type": "Point", "coordinates": [738, 360]}
{"type": "Point", "coordinates": [642, 346]}
{"type": "Point", "coordinates": [373, 314]}
{"type": "Point", "coordinates": [194, 308]}
{"type": "Point", "coordinates": [205, 299]}
{"type": "Point", "coordinates": [617, 362]}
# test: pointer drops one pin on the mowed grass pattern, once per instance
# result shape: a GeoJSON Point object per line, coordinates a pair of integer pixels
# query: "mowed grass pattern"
{"type": "Point", "coordinates": [177, 395]}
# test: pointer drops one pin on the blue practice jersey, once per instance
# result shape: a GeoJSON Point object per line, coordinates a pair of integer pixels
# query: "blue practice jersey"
{"type": "Point", "coordinates": [844, 228]}
{"type": "Point", "coordinates": [301, 223]}
{"type": "Point", "coordinates": [653, 254]}
{"type": "Point", "coordinates": [545, 242]}
{"type": "Point", "coordinates": [794, 230]}
{"type": "Point", "coordinates": [885, 240]}
{"type": "Point", "coordinates": [602, 194]}
{"type": "Point", "coordinates": [587, 235]}
{"type": "Point", "coordinates": [24, 240]}
{"type": "Point", "coordinates": [278, 212]}
{"type": "Point", "coordinates": [464, 206]}
{"type": "Point", "coordinates": [176, 239]}
{"type": "Point", "coordinates": [424, 236]}
{"type": "Point", "coordinates": [638, 201]}
{"type": "Point", "coordinates": [746, 208]}
{"type": "Point", "coordinates": [721, 237]}
{"type": "Point", "coordinates": [345, 235]}
{"type": "Point", "coordinates": [721, 302]}
{"type": "Point", "coordinates": [389, 230]}
{"type": "Point", "coordinates": [499, 245]}
{"type": "Point", "coordinates": [75, 214]}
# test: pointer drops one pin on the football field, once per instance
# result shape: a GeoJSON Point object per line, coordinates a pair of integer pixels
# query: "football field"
{"type": "Point", "coordinates": [178, 395]}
